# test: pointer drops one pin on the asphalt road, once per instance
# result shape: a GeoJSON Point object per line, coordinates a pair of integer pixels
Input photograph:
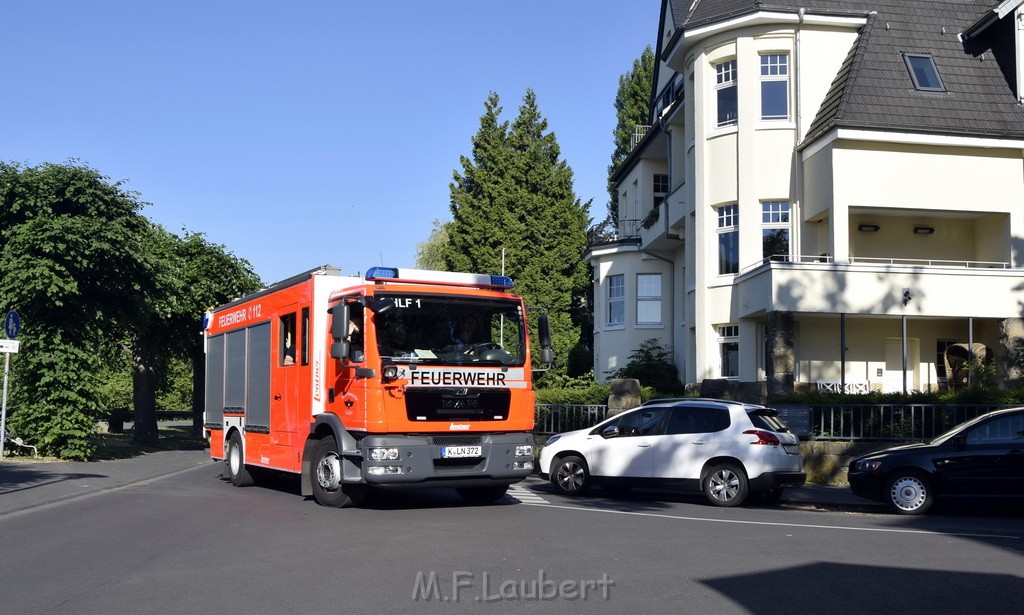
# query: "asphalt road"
{"type": "Point", "coordinates": [188, 542]}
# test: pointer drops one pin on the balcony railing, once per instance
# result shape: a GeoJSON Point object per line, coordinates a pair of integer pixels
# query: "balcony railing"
{"type": "Point", "coordinates": [872, 260]}
{"type": "Point", "coordinates": [639, 132]}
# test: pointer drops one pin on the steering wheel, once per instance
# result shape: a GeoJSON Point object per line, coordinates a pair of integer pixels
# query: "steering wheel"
{"type": "Point", "coordinates": [478, 348]}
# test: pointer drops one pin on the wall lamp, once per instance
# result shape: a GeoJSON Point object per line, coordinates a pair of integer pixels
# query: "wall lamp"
{"type": "Point", "coordinates": [868, 228]}
{"type": "Point", "coordinates": [924, 230]}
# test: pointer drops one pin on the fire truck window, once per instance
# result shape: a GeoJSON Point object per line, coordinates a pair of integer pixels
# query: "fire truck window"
{"type": "Point", "coordinates": [288, 340]}
{"type": "Point", "coordinates": [305, 336]}
{"type": "Point", "coordinates": [355, 332]}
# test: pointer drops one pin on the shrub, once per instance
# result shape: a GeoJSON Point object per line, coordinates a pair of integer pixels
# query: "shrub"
{"type": "Point", "coordinates": [651, 364]}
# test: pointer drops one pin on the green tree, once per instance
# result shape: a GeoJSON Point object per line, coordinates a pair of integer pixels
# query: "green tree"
{"type": "Point", "coordinates": [632, 109]}
{"type": "Point", "coordinates": [209, 275]}
{"type": "Point", "coordinates": [192, 276]}
{"type": "Point", "coordinates": [430, 253]}
{"type": "Point", "coordinates": [514, 204]}
{"type": "Point", "coordinates": [74, 264]}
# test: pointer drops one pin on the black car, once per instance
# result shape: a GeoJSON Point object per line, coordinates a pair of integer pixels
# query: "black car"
{"type": "Point", "coordinates": [981, 460]}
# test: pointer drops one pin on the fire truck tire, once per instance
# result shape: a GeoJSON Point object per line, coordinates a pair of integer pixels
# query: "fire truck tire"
{"type": "Point", "coordinates": [235, 463]}
{"type": "Point", "coordinates": [328, 489]}
{"type": "Point", "coordinates": [482, 495]}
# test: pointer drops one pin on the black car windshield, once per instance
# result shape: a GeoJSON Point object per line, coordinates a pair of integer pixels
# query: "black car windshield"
{"type": "Point", "coordinates": [450, 330]}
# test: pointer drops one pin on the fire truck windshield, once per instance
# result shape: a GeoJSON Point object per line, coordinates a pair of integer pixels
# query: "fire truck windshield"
{"type": "Point", "coordinates": [451, 330]}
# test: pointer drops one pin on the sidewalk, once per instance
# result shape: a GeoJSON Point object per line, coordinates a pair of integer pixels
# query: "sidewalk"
{"type": "Point", "coordinates": [26, 484]}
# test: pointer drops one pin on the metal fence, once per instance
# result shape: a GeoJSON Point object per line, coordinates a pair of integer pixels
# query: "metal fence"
{"type": "Point", "coordinates": [904, 422]}
{"type": "Point", "coordinates": [882, 422]}
{"type": "Point", "coordinates": [556, 418]}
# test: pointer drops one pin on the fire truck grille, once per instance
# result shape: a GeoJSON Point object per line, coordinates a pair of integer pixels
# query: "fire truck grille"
{"type": "Point", "coordinates": [442, 466]}
{"type": "Point", "coordinates": [456, 440]}
{"type": "Point", "coordinates": [424, 405]}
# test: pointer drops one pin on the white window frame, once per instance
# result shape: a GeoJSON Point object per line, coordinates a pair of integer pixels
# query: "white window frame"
{"type": "Point", "coordinates": [617, 299]}
{"type": "Point", "coordinates": [728, 336]}
{"type": "Point", "coordinates": [728, 222]}
{"type": "Point", "coordinates": [774, 69]}
{"type": "Point", "coordinates": [648, 299]}
{"type": "Point", "coordinates": [775, 215]}
{"type": "Point", "coordinates": [726, 78]}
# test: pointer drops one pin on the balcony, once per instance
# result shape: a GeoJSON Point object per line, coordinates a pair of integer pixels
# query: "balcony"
{"type": "Point", "coordinates": [880, 286]}
{"type": "Point", "coordinates": [627, 231]}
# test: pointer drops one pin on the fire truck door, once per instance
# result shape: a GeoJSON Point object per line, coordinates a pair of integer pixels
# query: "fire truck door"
{"type": "Point", "coordinates": [283, 391]}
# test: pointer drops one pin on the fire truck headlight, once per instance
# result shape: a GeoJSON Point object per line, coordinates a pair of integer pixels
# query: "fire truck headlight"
{"type": "Point", "coordinates": [522, 465]}
{"type": "Point", "coordinates": [390, 372]}
{"type": "Point", "coordinates": [524, 450]}
{"type": "Point", "coordinates": [382, 454]}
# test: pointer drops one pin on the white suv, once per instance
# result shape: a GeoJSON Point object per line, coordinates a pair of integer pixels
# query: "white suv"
{"type": "Point", "coordinates": [728, 450]}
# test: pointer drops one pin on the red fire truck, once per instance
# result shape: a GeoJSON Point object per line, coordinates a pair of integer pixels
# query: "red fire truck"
{"type": "Point", "coordinates": [401, 378]}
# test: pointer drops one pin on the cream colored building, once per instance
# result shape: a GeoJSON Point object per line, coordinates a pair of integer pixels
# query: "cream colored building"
{"type": "Point", "coordinates": [829, 194]}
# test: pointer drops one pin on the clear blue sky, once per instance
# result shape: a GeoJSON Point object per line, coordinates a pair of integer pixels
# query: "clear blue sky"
{"type": "Point", "coordinates": [301, 133]}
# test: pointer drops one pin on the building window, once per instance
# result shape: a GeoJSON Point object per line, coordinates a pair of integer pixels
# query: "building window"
{"type": "Point", "coordinates": [616, 299]}
{"type": "Point", "coordinates": [648, 299]}
{"type": "Point", "coordinates": [728, 239]}
{"type": "Point", "coordinates": [775, 230]}
{"type": "Point", "coordinates": [660, 188]}
{"type": "Point", "coordinates": [923, 72]}
{"type": "Point", "coordinates": [729, 343]}
{"type": "Point", "coordinates": [775, 86]}
{"type": "Point", "coordinates": [725, 87]}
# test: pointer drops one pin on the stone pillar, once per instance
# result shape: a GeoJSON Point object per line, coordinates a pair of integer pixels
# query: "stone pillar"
{"type": "Point", "coordinates": [624, 395]}
{"type": "Point", "coordinates": [780, 362]}
{"type": "Point", "coordinates": [1011, 352]}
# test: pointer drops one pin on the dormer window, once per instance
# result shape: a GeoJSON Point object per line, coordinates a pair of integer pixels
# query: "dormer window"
{"type": "Point", "coordinates": [923, 72]}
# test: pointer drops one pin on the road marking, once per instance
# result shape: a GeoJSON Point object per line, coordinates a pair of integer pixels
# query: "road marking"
{"type": "Point", "coordinates": [776, 523]}
{"type": "Point", "coordinates": [525, 496]}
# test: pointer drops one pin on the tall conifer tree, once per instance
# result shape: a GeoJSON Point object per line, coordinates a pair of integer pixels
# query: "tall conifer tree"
{"type": "Point", "coordinates": [514, 205]}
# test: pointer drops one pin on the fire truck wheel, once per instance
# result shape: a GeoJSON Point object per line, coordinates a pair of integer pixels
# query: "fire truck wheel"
{"type": "Point", "coordinates": [235, 462]}
{"type": "Point", "coordinates": [328, 489]}
{"type": "Point", "coordinates": [482, 495]}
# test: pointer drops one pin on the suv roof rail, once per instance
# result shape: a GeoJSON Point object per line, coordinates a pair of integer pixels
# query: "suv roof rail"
{"type": "Point", "coordinates": [667, 400]}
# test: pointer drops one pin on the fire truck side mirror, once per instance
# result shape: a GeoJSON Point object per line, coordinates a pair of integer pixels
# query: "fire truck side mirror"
{"type": "Point", "coordinates": [339, 331]}
{"type": "Point", "coordinates": [547, 355]}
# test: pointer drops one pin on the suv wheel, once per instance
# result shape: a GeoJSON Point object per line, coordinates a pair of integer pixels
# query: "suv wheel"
{"type": "Point", "coordinates": [726, 485]}
{"type": "Point", "coordinates": [570, 476]}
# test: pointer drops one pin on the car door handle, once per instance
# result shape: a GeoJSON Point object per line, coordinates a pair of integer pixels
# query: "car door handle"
{"type": "Point", "coordinates": [643, 444]}
{"type": "Point", "coordinates": [698, 442]}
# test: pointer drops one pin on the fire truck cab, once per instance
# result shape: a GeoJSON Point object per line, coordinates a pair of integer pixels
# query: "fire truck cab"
{"type": "Point", "coordinates": [401, 378]}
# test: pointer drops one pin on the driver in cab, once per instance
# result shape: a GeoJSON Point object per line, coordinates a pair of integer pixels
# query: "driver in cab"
{"type": "Point", "coordinates": [465, 331]}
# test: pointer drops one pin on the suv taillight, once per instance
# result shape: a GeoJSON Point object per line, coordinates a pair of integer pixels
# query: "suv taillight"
{"type": "Point", "coordinates": [763, 437]}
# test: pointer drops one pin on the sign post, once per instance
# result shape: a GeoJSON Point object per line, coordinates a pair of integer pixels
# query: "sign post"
{"type": "Point", "coordinates": [12, 326]}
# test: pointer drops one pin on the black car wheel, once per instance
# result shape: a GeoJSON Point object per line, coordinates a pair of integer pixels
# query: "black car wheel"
{"type": "Point", "coordinates": [570, 476]}
{"type": "Point", "coordinates": [909, 493]}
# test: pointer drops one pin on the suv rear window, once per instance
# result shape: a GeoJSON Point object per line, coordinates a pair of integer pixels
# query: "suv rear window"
{"type": "Point", "coordinates": [767, 418]}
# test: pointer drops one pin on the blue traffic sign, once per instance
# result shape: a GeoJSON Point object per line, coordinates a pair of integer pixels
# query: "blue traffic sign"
{"type": "Point", "coordinates": [12, 324]}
